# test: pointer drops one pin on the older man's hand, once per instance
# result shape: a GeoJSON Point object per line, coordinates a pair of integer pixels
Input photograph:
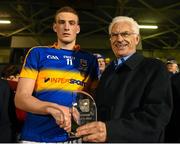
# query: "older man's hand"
{"type": "Point", "coordinates": [92, 132]}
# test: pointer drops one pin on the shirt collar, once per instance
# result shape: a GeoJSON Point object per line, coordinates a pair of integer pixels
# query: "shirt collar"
{"type": "Point", "coordinates": [119, 60]}
{"type": "Point", "coordinates": [55, 45]}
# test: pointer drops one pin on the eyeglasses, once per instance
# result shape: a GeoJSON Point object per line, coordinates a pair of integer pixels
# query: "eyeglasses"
{"type": "Point", "coordinates": [122, 34]}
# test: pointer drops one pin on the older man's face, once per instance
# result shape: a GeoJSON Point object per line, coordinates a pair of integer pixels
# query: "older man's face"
{"type": "Point", "coordinates": [123, 39]}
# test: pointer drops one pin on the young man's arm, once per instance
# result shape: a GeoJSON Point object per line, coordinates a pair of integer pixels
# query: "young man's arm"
{"type": "Point", "coordinates": [25, 101]}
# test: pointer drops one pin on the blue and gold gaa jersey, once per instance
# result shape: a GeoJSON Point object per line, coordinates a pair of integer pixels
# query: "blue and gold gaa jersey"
{"type": "Point", "coordinates": [57, 72]}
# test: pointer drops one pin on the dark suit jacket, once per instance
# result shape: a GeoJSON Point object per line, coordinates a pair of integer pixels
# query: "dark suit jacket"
{"type": "Point", "coordinates": [7, 113]}
{"type": "Point", "coordinates": [135, 100]}
{"type": "Point", "coordinates": [173, 128]}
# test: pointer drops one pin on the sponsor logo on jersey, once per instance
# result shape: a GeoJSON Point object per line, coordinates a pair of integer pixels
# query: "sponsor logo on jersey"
{"type": "Point", "coordinates": [69, 57]}
{"type": "Point", "coordinates": [46, 79]}
{"type": "Point", "coordinates": [54, 57]}
{"type": "Point", "coordinates": [63, 80]}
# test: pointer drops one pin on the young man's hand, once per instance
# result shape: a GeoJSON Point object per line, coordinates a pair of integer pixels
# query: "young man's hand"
{"type": "Point", "coordinates": [62, 116]}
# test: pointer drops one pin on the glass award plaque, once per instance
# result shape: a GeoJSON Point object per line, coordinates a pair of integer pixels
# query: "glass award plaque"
{"type": "Point", "coordinates": [83, 110]}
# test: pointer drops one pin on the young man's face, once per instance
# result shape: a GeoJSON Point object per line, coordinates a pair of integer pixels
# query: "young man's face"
{"type": "Point", "coordinates": [66, 27]}
{"type": "Point", "coordinates": [123, 39]}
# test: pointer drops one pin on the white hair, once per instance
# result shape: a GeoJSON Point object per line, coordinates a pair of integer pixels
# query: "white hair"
{"type": "Point", "coordinates": [117, 19]}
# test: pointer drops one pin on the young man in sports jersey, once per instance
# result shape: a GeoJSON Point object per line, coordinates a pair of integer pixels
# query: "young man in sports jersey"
{"type": "Point", "coordinates": [48, 78]}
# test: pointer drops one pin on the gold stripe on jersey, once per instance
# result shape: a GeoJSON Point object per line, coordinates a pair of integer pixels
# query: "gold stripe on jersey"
{"type": "Point", "coordinates": [28, 73]}
{"type": "Point", "coordinates": [60, 80]}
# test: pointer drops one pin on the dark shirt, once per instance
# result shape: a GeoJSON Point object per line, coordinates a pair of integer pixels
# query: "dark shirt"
{"type": "Point", "coordinates": [7, 113]}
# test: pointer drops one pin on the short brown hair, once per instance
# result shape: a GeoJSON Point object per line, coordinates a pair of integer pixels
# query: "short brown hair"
{"type": "Point", "coordinates": [66, 9]}
{"type": "Point", "coordinates": [9, 70]}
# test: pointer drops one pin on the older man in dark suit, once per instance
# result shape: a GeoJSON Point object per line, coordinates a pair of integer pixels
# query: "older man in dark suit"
{"type": "Point", "coordinates": [134, 97]}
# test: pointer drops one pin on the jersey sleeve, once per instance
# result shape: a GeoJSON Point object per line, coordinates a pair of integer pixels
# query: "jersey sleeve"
{"type": "Point", "coordinates": [30, 67]}
{"type": "Point", "coordinates": [93, 76]}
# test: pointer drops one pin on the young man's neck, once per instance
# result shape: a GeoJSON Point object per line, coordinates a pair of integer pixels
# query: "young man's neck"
{"type": "Point", "coordinates": [69, 46]}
